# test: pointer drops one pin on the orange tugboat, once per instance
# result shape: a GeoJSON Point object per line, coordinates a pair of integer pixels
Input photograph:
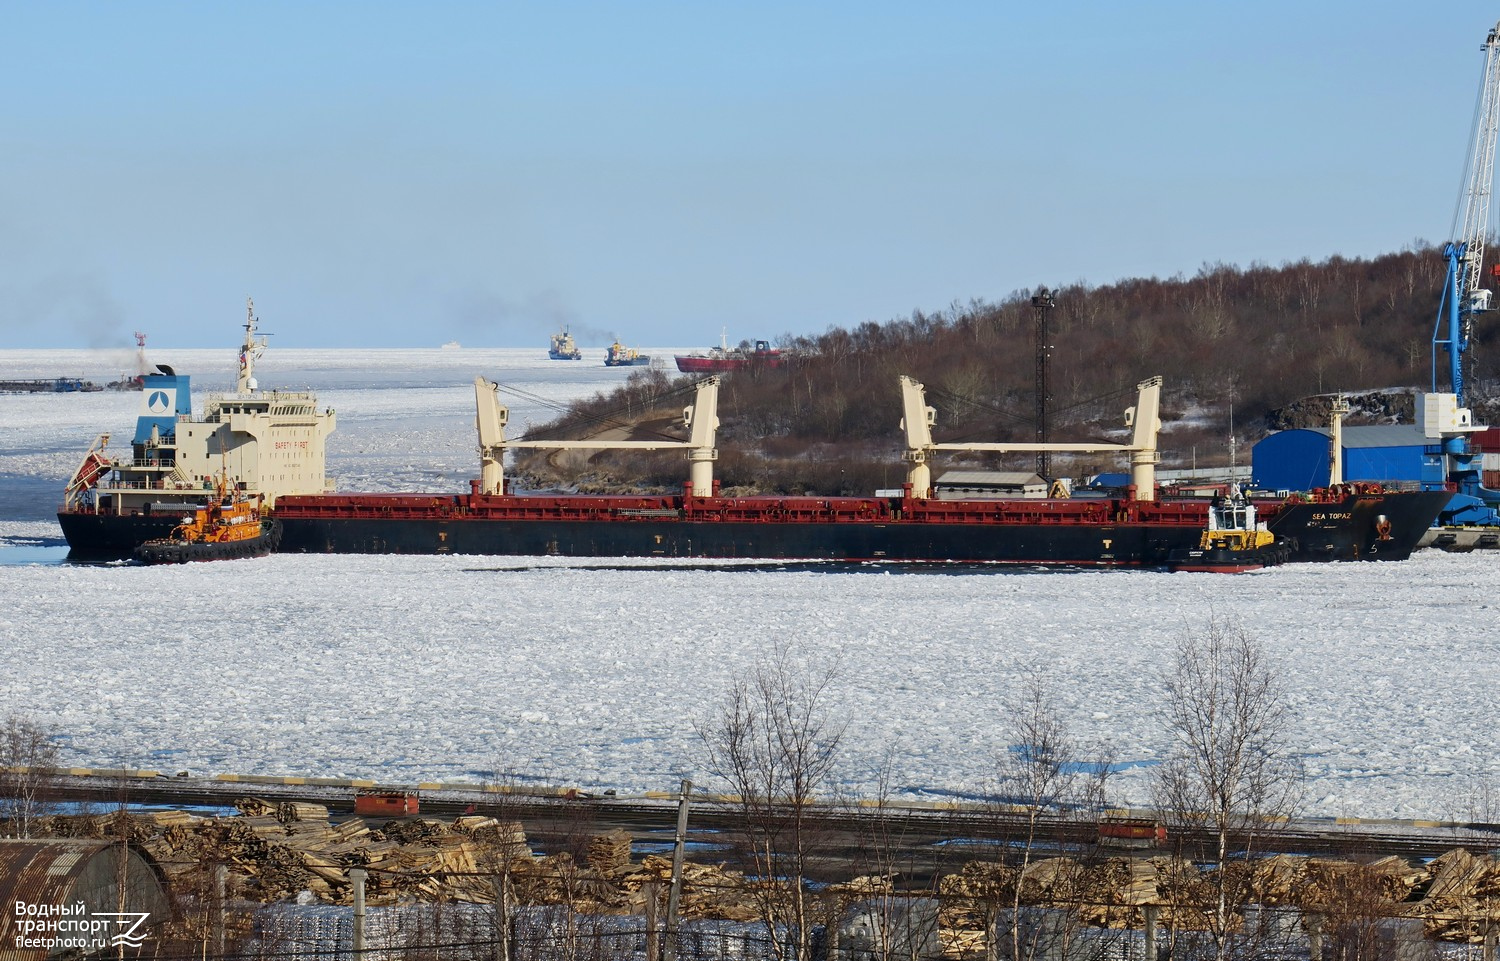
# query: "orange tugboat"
{"type": "Point", "coordinates": [227, 527]}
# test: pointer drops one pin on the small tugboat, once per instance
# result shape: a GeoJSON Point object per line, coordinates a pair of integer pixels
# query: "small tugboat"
{"type": "Point", "coordinates": [1232, 543]}
{"type": "Point", "coordinates": [620, 356]}
{"type": "Point", "coordinates": [227, 527]}
{"type": "Point", "coordinates": [563, 348]}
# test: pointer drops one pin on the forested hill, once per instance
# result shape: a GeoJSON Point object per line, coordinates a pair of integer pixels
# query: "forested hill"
{"type": "Point", "coordinates": [1258, 339]}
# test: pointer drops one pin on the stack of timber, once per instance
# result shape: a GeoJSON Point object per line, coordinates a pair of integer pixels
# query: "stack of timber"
{"type": "Point", "coordinates": [1108, 892]}
{"type": "Point", "coordinates": [1323, 884]}
{"type": "Point", "coordinates": [1463, 900]}
{"type": "Point", "coordinates": [708, 891]}
{"type": "Point", "coordinates": [609, 854]}
{"type": "Point", "coordinates": [277, 851]}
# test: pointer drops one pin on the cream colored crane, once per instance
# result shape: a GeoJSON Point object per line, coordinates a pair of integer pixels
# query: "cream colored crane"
{"type": "Point", "coordinates": [700, 417]}
{"type": "Point", "coordinates": [1144, 418]}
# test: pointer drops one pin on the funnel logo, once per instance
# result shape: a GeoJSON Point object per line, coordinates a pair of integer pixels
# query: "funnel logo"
{"type": "Point", "coordinates": [159, 402]}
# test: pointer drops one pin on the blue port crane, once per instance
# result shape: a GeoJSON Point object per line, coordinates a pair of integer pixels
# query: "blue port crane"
{"type": "Point", "coordinates": [1462, 300]}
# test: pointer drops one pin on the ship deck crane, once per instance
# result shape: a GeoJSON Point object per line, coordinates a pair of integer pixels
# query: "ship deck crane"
{"type": "Point", "coordinates": [1443, 415]}
{"type": "Point", "coordinates": [701, 418]}
{"type": "Point", "coordinates": [1144, 419]}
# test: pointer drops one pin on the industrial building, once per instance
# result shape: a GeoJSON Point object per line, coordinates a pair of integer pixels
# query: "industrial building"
{"type": "Point", "coordinates": [1299, 459]}
{"type": "Point", "coordinates": [72, 898]}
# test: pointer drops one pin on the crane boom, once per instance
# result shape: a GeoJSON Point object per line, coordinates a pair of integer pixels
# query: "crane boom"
{"type": "Point", "coordinates": [1480, 176]}
{"type": "Point", "coordinates": [1443, 416]}
{"type": "Point", "coordinates": [1462, 295]}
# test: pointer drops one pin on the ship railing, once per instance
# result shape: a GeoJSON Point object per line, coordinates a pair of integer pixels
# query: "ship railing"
{"type": "Point", "coordinates": [266, 398]}
{"type": "Point", "coordinates": [648, 512]}
{"type": "Point", "coordinates": [163, 484]}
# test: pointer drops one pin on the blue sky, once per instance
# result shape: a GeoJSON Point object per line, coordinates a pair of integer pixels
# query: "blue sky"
{"type": "Point", "coordinates": [381, 174]}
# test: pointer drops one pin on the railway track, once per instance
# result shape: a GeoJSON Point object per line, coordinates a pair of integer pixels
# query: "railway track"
{"type": "Point", "coordinates": [917, 841]}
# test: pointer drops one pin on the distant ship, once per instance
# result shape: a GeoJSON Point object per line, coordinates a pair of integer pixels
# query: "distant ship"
{"type": "Point", "coordinates": [619, 356]}
{"type": "Point", "coordinates": [452, 345]}
{"type": "Point", "coordinates": [722, 358]}
{"type": "Point", "coordinates": [268, 443]}
{"type": "Point", "coordinates": [563, 347]}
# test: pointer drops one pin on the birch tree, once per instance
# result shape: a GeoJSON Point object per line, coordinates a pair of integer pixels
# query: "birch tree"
{"type": "Point", "coordinates": [773, 742]}
{"type": "Point", "coordinates": [1045, 778]}
{"type": "Point", "coordinates": [1229, 774]}
{"type": "Point", "coordinates": [28, 752]}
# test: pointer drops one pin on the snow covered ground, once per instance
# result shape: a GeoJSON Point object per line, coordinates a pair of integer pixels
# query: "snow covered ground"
{"type": "Point", "coordinates": [593, 673]}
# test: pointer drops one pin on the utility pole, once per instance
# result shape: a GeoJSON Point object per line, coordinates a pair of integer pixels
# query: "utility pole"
{"type": "Point", "coordinates": [357, 880]}
{"type": "Point", "coordinates": [1041, 306]}
{"type": "Point", "coordinates": [674, 895]}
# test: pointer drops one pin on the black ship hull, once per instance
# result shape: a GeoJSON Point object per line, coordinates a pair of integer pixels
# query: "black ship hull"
{"type": "Point", "coordinates": [1116, 546]}
{"type": "Point", "coordinates": [104, 536]}
{"type": "Point", "coordinates": [1100, 534]}
{"type": "Point", "coordinates": [1385, 526]}
{"type": "Point", "coordinates": [1358, 526]}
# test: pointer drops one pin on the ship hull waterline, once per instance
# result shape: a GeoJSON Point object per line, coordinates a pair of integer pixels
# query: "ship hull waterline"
{"type": "Point", "coordinates": [1380, 527]}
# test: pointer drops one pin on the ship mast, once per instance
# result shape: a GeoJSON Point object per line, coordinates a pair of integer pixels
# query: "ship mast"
{"type": "Point", "coordinates": [140, 356]}
{"type": "Point", "coordinates": [1336, 411]}
{"type": "Point", "coordinates": [250, 351]}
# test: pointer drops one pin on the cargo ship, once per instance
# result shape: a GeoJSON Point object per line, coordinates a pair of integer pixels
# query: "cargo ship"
{"type": "Point", "coordinates": [725, 358]}
{"type": "Point", "coordinates": [1136, 529]}
{"type": "Point", "coordinates": [267, 443]}
{"type": "Point", "coordinates": [621, 356]}
{"type": "Point", "coordinates": [272, 444]}
{"type": "Point", "coordinates": [562, 347]}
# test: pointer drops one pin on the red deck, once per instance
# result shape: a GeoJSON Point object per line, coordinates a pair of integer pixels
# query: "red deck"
{"type": "Point", "coordinates": [756, 510]}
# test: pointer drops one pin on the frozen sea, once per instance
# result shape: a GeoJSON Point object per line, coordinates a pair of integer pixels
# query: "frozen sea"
{"type": "Point", "coordinates": [593, 673]}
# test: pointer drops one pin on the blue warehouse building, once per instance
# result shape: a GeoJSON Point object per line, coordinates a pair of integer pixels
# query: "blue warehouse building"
{"type": "Point", "coordinates": [1298, 459]}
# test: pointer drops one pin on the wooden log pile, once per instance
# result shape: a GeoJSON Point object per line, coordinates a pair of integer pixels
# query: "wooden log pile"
{"type": "Point", "coordinates": [609, 854]}
{"type": "Point", "coordinates": [1327, 885]}
{"type": "Point", "coordinates": [708, 891]}
{"type": "Point", "coordinates": [1463, 900]}
{"type": "Point", "coordinates": [276, 851]}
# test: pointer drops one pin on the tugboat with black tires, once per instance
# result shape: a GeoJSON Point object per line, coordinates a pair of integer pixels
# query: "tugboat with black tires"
{"type": "Point", "coordinates": [1233, 542]}
{"type": "Point", "coordinates": [229, 526]}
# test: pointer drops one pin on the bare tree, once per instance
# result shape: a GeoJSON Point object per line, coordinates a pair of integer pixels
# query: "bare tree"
{"type": "Point", "coordinates": [1358, 909]}
{"type": "Point", "coordinates": [28, 753]}
{"type": "Point", "coordinates": [1046, 781]}
{"type": "Point", "coordinates": [774, 745]}
{"type": "Point", "coordinates": [880, 915]}
{"type": "Point", "coordinates": [1037, 775]}
{"type": "Point", "coordinates": [1229, 773]}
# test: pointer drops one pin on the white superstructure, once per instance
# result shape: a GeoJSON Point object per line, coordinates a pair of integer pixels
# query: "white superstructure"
{"type": "Point", "coordinates": [266, 442]}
